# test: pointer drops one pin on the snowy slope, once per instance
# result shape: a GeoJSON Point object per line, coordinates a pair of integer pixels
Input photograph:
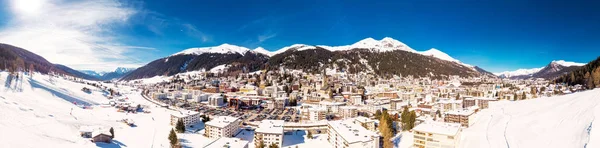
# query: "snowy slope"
{"type": "Point", "coordinates": [567, 64]}
{"type": "Point", "coordinates": [263, 51]}
{"type": "Point", "coordinates": [550, 122]}
{"type": "Point", "coordinates": [43, 115]}
{"type": "Point", "coordinates": [438, 54]}
{"type": "Point", "coordinates": [223, 49]}
{"type": "Point", "coordinates": [383, 45]}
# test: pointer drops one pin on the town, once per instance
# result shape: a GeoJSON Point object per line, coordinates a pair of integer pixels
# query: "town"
{"type": "Point", "coordinates": [347, 108]}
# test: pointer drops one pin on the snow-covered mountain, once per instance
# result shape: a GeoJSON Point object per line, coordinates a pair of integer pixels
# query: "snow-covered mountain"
{"type": "Point", "coordinates": [109, 75]}
{"type": "Point", "coordinates": [518, 72]}
{"type": "Point", "coordinates": [552, 70]}
{"type": "Point", "coordinates": [369, 52]}
{"type": "Point", "coordinates": [221, 49]}
{"type": "Point", "coordinates": [93, 73]}
{"type": "Point", "coordinates": [263, 51]}
{"type": "Point", "coordinates": [384, 45]}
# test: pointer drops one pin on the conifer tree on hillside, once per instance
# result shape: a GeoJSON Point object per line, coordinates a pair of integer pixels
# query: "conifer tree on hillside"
{"type": "Point", "coordinates": [173, 140]}
{"type": "Point", "coordinates": [273, 145]}
{"type": "Point", "coordinates": [180, 126]}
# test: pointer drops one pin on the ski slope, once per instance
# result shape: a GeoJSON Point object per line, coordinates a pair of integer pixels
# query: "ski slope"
{"type": "Point", "coordinates": [43, 115]}
{"type": "Point", "coordinates": [550, 122]}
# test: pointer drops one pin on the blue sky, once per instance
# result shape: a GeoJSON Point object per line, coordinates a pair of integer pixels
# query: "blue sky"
{"type": "Point", "coordinates": [495, 35]}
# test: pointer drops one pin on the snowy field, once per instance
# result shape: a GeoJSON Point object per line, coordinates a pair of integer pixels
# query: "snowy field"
{"type": "Point", "coordinates": [41, 116]}
{"type": "Point", "coordinates": [553, 122]}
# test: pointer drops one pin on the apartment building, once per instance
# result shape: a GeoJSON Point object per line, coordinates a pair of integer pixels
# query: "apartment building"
{"type": "Point", "coordinates": [463, 117]}
{"type": "Point", "coordinates": [222, 126]}
{"type": "Point", "coordinates": [366, 122]}
{"type": "Point", "coordinates": [436, 135]}
{"type": "Point", "coordinates": [270, 132]}
{"type": "Point", "coordinates": [348, 112]}
{"type": "Point", "coordinates": [189, 118]}
{"type": "Point", "coordinates": [347, 134]}
{"type": "Point", "coordinates": [313, 113]}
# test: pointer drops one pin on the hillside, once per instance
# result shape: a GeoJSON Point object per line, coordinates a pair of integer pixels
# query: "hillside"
{"type": "Point", "coordinates": [393, 62]}
{"type": "Point", "coordinates": [588, 75]}
{"type": "Point", "coordinates": [198, 59]}
{"type": "Point", "coordinates": [13, 58]}
{"type": "Point", "coordinates": [549, 72]}
{"type": "Point", "coordinates": [385, 57]}
{"type": "Point", "coordinates": [548, 122]}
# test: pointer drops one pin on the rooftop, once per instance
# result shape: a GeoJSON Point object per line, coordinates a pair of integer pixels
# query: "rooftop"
{"type": "Point", "coordinates": [181, 114]}
{"type": "Point", "coordinates": [351, 132]}
{"type": "Point", "coordinates": [221, 121]}
{"type": "Point", "coordinates": [271, 126]}
{"type": "Point", "coordinates": [225, 142]}
{"type": "Point", "coordinates": [448, 129]}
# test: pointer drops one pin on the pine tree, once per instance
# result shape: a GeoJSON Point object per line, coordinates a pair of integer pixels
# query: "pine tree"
{"type": "Point", "coordinates": [309, 135]}
{"type": "Point", "coordinates": [180, 126]}
{"type": "Point", "coordinates": [386, 129]}
{"type": "Point", "coordinates": [273, 145]}
{"type": "Point", "coordinates": [524, 96]}
{"type": "Point", "coordinates": [378, 114]}
{"type": "Point", "coordinates": [404, 117]}
{"type": "Point", "coordinates": [412, 119]}
{"type": "Point", "coordinates": [112, 132]}
{"type": "Point", "coordinates": [261, 144]}
{"type": "Point", "coordinates": [173, 140]}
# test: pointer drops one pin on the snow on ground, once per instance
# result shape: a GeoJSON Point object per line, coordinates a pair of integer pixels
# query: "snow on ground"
{"type": "Point", "coordinates": [218, 69]}
{"type": "Point", "coordinates": [403, 140]}
{"type": "Point", "coordinates": [43, 115]}
{"type": "Point", "coordinates": [44, 112]}
{"type": "Point", "coordinates": [560, 122]}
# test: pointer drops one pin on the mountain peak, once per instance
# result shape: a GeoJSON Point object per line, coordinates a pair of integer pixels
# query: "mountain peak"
{"type": "Point", "coordinates": [223, 49]}
{"type": "Point", "coordinates": [263, 51]}
{"type": "Point", "coordinates": [566, 63]}
{"type": "Point", "coordinates": [438, 54]}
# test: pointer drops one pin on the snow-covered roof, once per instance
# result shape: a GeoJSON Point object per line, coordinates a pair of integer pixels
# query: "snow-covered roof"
{"type": "Point", "coordinates": [352, 132]}
{"type": "Point", "coordinates": [221, 121]}
{"type": "Point", "coordinates": [225, 142]}
{"type": "Point", "coordinates": [271, 126]}
{"type": "Point", "coordinates": [464, 112]}
{"type": "Point", "coordinates": [448, 129]}
{"type": "Point", "coordinates": [181, 114]}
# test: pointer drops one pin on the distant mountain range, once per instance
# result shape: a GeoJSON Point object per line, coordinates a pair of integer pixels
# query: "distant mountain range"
{"type": "Point", "coordinates": [110, 75]}
{"type": "Point", "coordinates": [550, 71]}
{"type": "Point", "coordinates": [385, 57]}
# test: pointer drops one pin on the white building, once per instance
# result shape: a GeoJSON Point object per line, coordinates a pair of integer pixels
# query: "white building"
{"type": "Point", "coordinates": [189, 118]}
{"type": "Point", "coordinates": [436, 135]}
{"type": "Point", "coordinates": [313, 113]}
{"type": "Point", "coordinates": [347, 134]}
{"type": "Point", "coordinates": [348, 112]}
{"type": "Point", "coordinates": [222, 126]}
{"type": "Point", "coordinates": [270, 132]}
{"type": "Point", "coordinates": [216, 101]}
{"type": "Point", "coordinates": [225, 142]}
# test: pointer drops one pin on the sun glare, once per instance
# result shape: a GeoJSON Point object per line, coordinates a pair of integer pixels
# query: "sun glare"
{"type": "Point", "coordinates": [27, 6]}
